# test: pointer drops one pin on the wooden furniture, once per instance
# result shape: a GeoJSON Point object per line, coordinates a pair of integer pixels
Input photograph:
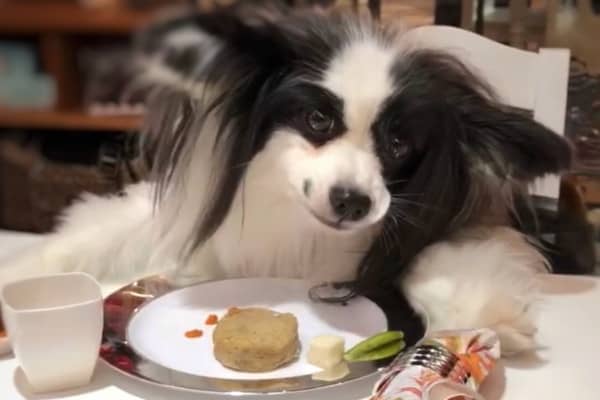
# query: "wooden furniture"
{"type": "Point", "coordinates": [57, 27]}
{"type": "Point", "coordinates": [409, 13]}
{"type": "Point", "coordinates": [74, 119]}
{"type": "Point", "coordinates": [374, 7]}
{"type": "Point", "coordinates": [467, 14]}
{"type": "Point", "coordinates": [527, 80]}
{"type": "Point", "coordinates": [577, 28]}
{"type": "Point", "coordinates": [516, 25]}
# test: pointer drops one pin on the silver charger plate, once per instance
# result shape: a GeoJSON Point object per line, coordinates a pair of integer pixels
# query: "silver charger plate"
{"type": "Point", "coordinates": [145, 324]}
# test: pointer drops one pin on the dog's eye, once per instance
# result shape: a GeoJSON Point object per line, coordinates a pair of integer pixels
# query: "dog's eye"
{"type": "Point", "coordinates": [398, 148]}
{"type": "Point", "coordinates": [319, 123]}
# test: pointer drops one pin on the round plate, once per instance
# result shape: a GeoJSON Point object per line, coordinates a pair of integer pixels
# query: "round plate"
{"type": "Point", "coordinates": [145, 325]}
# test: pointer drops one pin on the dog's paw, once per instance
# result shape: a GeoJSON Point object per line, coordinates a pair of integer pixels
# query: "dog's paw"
{"type": "Point", "coordinates": [516, 336]}
{"type": "Point", "coordinates": [475, 283]}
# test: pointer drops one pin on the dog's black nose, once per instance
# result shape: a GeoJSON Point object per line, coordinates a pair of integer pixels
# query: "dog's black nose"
{"type": "Point", "coordinates": [349, 204]}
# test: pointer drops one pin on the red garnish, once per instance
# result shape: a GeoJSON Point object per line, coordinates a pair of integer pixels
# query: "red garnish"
{"type": "Point", "coordinates": [194, 333]}
{"type": "Point", "coordinates": [212, 319]}
{"type": "Point", "coordinates": [123, 362]}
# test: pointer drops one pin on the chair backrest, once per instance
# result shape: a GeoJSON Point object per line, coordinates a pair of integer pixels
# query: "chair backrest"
{"type": "Point", "coordinates": [527, 80]}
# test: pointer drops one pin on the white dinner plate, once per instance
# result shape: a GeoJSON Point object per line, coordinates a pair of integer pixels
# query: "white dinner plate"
{"type": "Point", "coordinates": [146, 322]}
{"type": "Point", "coordinates": [156, 332]}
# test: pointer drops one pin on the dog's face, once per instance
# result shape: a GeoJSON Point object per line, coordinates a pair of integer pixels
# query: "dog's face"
{"type": "Point", "coordinates": [328, 137]}
{"type": "Point", "coordinates": [356, 130]}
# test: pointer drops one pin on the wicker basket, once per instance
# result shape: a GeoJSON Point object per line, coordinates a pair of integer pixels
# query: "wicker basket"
{"type": "Point", "coordinates": [34, 188]}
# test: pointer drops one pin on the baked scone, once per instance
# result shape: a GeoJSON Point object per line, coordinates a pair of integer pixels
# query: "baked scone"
{"type": "Point", "coordinates": [256, 339]}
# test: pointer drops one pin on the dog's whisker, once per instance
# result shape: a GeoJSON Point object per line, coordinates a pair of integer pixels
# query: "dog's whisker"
{"type": "Point", "coordinates": [240, 165]}
{"type": "Point", "coordinates": [400, 202]}
{"type": "Point", "coordinates": [397, 214]}
{"type": "Point", "coordinates": [402, 199]}
{"type": "Point", "coordinates": [392, 239]}
{"type": "Point", "coordinates": [388, 237]}
{"type": "Point", "coordinates": [348, 251]}
{"type": "Point", "coordinates": [411, 220]}
{"type": "Point", "coordinates": [396, 181]}
{"type": "Point", "coordinates": [401, 195]}
{"type": "Point", "coordinates": [243, 207]}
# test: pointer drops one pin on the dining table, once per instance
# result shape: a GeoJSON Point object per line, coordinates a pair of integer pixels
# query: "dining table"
{"type": "Point", "coordinates": [563, 366]}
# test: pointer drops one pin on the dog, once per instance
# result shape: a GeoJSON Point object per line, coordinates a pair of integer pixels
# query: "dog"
{"type": "Point", "coordinates": [322, 146]}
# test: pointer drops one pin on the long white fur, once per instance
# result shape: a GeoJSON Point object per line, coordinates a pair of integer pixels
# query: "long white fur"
{"type": "Point", "coordinates": [482, 278]}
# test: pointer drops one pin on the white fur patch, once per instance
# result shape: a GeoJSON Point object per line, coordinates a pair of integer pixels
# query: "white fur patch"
{"type": "Point", "coordinates": [474, 282]}
{"type": "Point", "coordinates": [351, 160]}
{"type": "Point", "coordinates": [360, 76]}
{"type": "Point", "coordinates": [339, 162]}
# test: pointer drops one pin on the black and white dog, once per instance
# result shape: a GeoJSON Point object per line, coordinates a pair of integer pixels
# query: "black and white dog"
{"type": "Point", "coordinates": [309, 145]}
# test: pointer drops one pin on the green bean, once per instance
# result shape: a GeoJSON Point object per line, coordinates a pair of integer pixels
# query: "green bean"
{"type": "Point", "coordinates": [377, 347]}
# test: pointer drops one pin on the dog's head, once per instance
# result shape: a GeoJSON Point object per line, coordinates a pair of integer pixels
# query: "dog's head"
{"type": "Point", "coordinates": [357, 131]}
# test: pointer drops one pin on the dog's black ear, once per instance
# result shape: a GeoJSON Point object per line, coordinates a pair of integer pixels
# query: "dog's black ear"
{"type": "Point", "coordinates": [504, 139]}
{"type": "Point", "coordinates": [224, 62]}
{"type": "Point", "coordinates": [511, 143]}
{"type": "Point", "coordinates": [244, 34]}
{"type": "Point", "coordinates": [250, 28]}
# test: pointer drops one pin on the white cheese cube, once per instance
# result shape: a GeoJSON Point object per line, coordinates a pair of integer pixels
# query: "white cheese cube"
{"type": "Point", "coordinates": [326, 351]}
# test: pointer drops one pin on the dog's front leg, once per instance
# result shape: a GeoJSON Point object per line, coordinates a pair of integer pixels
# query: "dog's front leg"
{"type": "Point", "coordinates": [484, 279]}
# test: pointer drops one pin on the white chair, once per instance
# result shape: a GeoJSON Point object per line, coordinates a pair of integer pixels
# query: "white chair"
{"type": "Point", "coordinates": [523, 79]}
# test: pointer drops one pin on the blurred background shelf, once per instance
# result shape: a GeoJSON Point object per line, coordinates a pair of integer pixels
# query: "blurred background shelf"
{"type": "Point", "coordinates": [73, 120]}
{"type": "Point", "coordinates": [34, 18]}
{"type": "Point", "coordinates": [61, 32]}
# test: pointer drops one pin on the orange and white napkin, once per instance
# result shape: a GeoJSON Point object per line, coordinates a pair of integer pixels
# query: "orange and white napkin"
{"type": "Point", "coordinates": [448, 365]}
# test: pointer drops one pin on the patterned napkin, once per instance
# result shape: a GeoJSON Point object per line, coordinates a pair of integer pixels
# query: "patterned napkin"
{"type": "Point", "coordinates": [448, 365]}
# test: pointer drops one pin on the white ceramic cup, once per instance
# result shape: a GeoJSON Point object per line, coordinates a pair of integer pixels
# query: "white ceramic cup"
{"type": "Point", "coordinates": [54, 323]}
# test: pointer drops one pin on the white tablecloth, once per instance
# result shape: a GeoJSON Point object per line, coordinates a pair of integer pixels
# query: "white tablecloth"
{"type": "Point", "coordinates": [566, 367]}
